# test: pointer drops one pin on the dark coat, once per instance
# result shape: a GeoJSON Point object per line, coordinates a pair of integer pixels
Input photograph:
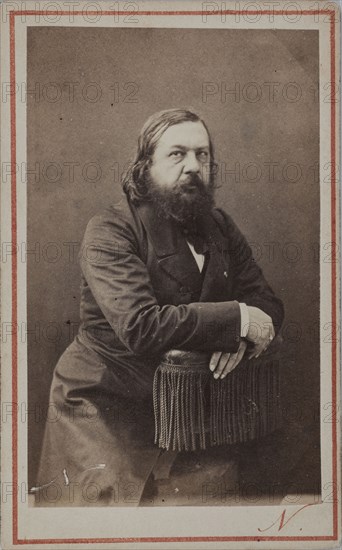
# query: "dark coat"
{"type": "Point", "coordinates": [141, 295]}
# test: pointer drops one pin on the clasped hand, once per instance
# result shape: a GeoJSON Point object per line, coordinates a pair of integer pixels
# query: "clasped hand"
{"type": "Point", "coordinates": [260, 333]}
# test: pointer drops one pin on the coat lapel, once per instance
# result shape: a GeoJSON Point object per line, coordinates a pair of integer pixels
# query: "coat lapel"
{"type": "Point", "coordinates": [176, 259]}
{"type": "Point", "coordinates": [216, 281]}
{"type": "Point", "coordinates": [172, 251]}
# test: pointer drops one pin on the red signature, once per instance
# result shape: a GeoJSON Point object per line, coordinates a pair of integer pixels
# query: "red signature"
{"type": "Point", "coordinates": [281, 519]}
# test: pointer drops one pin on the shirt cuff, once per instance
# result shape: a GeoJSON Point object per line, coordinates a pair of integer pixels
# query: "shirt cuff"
{"type": "Point", "coordinates": [244, 320]}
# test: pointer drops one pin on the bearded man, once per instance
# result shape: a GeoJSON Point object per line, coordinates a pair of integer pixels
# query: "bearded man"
{"type": "Point", "coordinates": [163, 269]}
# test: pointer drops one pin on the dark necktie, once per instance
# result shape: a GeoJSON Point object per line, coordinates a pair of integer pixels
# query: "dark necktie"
{"type": "Point", "coordinates": [200, 245]}
{"type": "Point", "coordinates": [196, 239]}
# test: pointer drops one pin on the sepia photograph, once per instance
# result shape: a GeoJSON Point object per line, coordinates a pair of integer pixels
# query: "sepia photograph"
{"type": "Point", "coordinates": [173, 316]}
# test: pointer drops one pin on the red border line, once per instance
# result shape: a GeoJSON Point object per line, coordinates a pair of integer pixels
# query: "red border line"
{"type": "Point", "coordinates": [333, 272]}
{"type": "Point", "coordinates": [14, 277]}
{"type": "Point", "coordinates": [17, 541]}
{"type": "Point", "coordinates": [206, 13]}
{"type": "Point", "coordinates": [172, 539]}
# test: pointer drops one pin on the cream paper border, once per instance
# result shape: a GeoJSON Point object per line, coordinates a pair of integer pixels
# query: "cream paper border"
{"type": "Point", "coordinates": [225, 521]}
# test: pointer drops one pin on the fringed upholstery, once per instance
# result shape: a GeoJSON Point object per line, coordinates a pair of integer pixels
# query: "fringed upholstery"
{"type": "Point", "coordinates": [193, 410]}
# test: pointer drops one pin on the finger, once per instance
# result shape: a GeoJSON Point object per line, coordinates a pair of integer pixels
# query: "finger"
{"type": "Point", "coordinates": [266, 344]}
{"type": "Point", "coordinates": [255, 351]}
{"type": "Point", "coordinates": [271, 336]}
{"type": "Point", "coordinates": [271, 333]}
{"type": "Point", "coordinates": [234, 361]}
{"type": "Point", "coordinates": [222, 363]}
{"type": "Point", "coordinates": [265, 348]}
{"type": "Point", "coordinates": [214, 360]}
{"type": "Point", "coordinates": [261, 349]}
{"type": "Point", "coordinates": [263, 342]}
{"type": "Point", "coordinates": [252, 352]}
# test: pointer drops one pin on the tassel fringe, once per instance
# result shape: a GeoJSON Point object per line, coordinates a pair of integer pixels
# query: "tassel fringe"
{"type": "Point", "coordinates": [192, 410]}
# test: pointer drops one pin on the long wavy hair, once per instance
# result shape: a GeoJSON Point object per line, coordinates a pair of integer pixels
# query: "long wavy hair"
{"type": "Point", "coordinates": [134, 180]}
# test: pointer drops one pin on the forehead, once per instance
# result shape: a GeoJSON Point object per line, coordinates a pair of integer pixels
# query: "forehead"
{"type": "Point", "coordinates": [191, 135]}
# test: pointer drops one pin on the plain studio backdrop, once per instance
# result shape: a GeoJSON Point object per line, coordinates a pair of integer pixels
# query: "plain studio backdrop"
{"type": "Point", "coordinates": [90, 91]}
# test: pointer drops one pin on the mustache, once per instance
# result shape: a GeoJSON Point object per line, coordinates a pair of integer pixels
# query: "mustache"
{"type": "Point", "coordinates": [192, 180]}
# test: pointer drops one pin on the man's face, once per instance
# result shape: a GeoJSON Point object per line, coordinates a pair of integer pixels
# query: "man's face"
{"type": "Point", "coordinates": [182, 150]}
{"type": "Point", "coordinates": [179, 173]}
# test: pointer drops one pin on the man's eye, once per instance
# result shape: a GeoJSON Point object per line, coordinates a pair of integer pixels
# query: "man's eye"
{"type": "Point", "coordinates": [176, 154]}
{"type": "Point", "coordinates": [203, 155]}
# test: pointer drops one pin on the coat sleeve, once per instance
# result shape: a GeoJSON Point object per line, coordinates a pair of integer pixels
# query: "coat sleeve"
{"type": "Point", "coordinates": [250, 285]}
{"type": "Point", "coordinates": [120, 283]}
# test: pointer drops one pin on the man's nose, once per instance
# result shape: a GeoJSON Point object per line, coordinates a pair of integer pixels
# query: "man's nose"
{"type": "Point", "coordinates": [191, 163]}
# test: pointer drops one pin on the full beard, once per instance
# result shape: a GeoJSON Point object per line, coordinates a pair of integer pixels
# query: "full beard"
{"type": "Point", "coordinates": [186, 203]}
